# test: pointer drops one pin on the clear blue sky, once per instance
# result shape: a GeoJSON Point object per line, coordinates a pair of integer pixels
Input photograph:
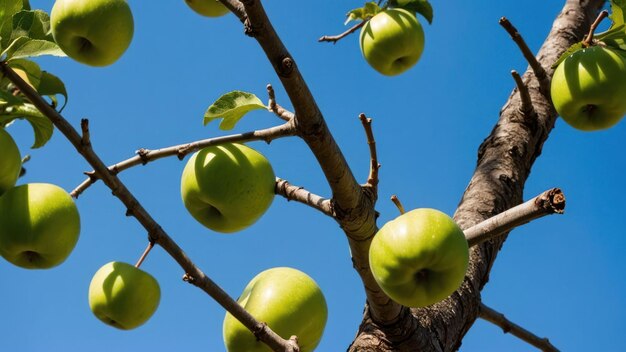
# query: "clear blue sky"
{"type": "Point", "coordinates": [561, 277]}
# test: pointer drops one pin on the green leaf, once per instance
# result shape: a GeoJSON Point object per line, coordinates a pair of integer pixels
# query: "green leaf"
{"type": "Point", "coordinates": [572, 49]}
{"type": "Point", "coordinates": [51, 86]}
{"type": "Point", "coordinates": [618, 11]}
{"type": "Point", "coordinates": [25, 47]}
{"type": "Point", "coordinates": [42, 126]}
{"type": "Point", "coordinates": [32, 24]}
{"type": "Point", "coordinates": [32, 70]}
{"type": "Point", "coordinates": [7, 9]}
{"type": "Point", "coordinates": [232, 107]}
{"type": "Point", "coordinates": [422, 7]}
{"type": "Point", "coordinates": [364, 13]}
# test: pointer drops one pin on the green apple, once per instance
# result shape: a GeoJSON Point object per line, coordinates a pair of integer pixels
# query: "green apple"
{"type": "Point", "coordinates": [288, 301]}
{"type": "Point", "coordinates": [208, 8]}
{"type": "Point", "coordinates": [589, 88]}
{"type": "Point", "coordinates": [10, 161]}
{"type": "Point", "coordinates": [39, 225]}
{"type": "Point", "coordinates": [123, 296]}
{"type": "Point", "coordinates": [93, 32]}
{"type": "Point", "coordinates": [419, 258]}
{"type": "Point", "coordinates": [392, 41]}
{"type": "Point", "coordinates": [227, 187]}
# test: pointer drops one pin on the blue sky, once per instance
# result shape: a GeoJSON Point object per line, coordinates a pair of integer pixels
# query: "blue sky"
{"type": "Point", "coordinates": [561, 277]}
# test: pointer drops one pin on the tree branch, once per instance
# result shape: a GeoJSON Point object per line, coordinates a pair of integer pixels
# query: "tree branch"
{"type": "Point", "coordinates": [549, 202]}
{"type": "Point", "coordinates": [275, 108]}
{"type": "Point", "coordinates": [372, 179]}
{"type": "Point", "coordinates": [335, 38]}
{"type": "Point", "coordinates": [155, 232]}
{"type": "Point", "coordinates": [526, 106]}
{"type": "Point", "coordinates": [508, 326]}
{"type": "Point", "coordinates": [537, 68]}
{"type": "Point", "coordinates": [299, 194]}
{"type": "Point", "coordinates": [353, 204]}
{"type": "Point", "coordinates": [145, 156]}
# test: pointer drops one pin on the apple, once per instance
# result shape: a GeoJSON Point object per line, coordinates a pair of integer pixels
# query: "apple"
{"type": "Point", "coordinates": [10, 161]}
{"type": "Point", "coordinates": [208, 8]}
{"type": "Point", "coordinates": [39, 225]}
{"type": "Point", "coordinates": [419, 258]}
{"type": "Point", "coordinates": [123, 296]}
{"type": "Point", "coordinates": [392, 41]}
{"type": "Point", "coordinates": [227, 187]}
{"type": "Point", "coordinates": [589, 88]}
{"type": "Point", "coordinates": [93, 32]}
{"type": "Point", "coordinates": [288, 301]}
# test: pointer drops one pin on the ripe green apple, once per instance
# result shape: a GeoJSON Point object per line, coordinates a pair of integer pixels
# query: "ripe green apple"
{"type": "Point", "coordinates": [392, 41]}
{"type": "Point", "coordinates": [39, 225]}
{"type": "Point", "coordinates": [589, 88]}
{"type": "Point", "coordinates": [288, 301]}
{"type": "Point", "coordinates": [208, 8]}
{"type": "Point", "coordinates": [419, 258]}
{"type": "Point", "coordinates": [10, 161]}
{"type": "Point", "coordinates": [93, 32]}
{"type": "Point", "coordinates": [227, 187]}
{"type": "Point", "coordinates": [123, 296]}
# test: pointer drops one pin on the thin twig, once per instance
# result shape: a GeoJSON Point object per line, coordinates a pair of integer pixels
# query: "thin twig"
{"type": "Point", "coordinates": [144, 254]}
{"type": "Point", "coordinates": [145, 156]}
{"type": "Point", "coordinates": [526, 106]}
{"type": "Point", "coordinates": [334, 38]}
{"type": "Point", "coordinates": [588, 41]}
{"type": "Point", "coordinates": [156, 233]}
{"type": "Point", "coordinates": [549, 202]}
{"type": "Point", "coordinates": [372, 179]}
{"type": "Point", "coordinates": [508, 326]}
{"type": "Point", "coordinates": [299, 194]}
{"type": "Point", "coordinates": [275, 108]}
{"type": "Point", "coordinates": [538, 70]}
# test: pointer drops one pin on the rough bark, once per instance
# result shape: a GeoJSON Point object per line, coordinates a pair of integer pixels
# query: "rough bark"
{"type": "Point", "coordinates": [504, 163]}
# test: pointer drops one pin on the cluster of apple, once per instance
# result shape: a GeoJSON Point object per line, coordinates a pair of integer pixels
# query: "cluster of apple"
{"type": "Point", "coordinates": [39, 222]}
{"type": "Point", "coordinates": [227, 188]}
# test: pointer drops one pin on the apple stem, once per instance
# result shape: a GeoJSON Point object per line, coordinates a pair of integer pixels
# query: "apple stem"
{"type": "Point", "coordinates": [398, 204]}
{"type": "Point", "coordinates": [588, 41]}
{"type": "Point", "coordinates": [145, 254]}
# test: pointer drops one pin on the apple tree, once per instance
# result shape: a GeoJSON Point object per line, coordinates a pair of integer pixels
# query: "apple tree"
{"type": "Point", "coordinates": [417, 275]}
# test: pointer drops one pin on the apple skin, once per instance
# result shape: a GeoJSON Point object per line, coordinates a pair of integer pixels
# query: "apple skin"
{"type": "Point", "coordinates": [227, 187]}
{"type": "Point", "coordinates": [288, 301]}
{"type": "Point", "coordinates": [419, 258]}
{"type": "Point", "coordinates": [392, 41]}
{"type": "Point", "coordinates": [123, 296]}
{"type": "Point", "coordinates": [93, 32]}
{"type": "Point", "coordinates": [39, 225]}
{"type": "Point", "coordinates": [10, 161]}
{"type": "Point", "coordinates": [589, 88]}
{"type": "Point", "coordinates": [208, 8]}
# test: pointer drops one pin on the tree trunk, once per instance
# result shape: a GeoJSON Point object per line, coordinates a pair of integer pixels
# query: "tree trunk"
{"type": "Point", "coordinates": [504, 162]}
